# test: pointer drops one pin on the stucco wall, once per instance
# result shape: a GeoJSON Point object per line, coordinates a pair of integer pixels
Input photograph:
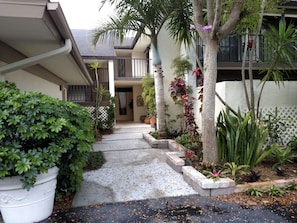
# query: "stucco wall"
{"type": "Point", "coordinates": [138, 110]}
{"type": "Point", "coordinates": [28, 82]}
{"type": "Point", "coordinates": [232, 93]}
{"type": "Point", "coordinates": [168, 51]}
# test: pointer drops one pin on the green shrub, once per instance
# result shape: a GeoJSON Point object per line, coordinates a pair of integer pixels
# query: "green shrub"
{"type": "Point", "coordinates": [240, 139]}
{"type": "Point", "coordinates": [189, 142]}
{"type": "Point", "coordinates": [95, 160]}
{"type": "Point", "coordinates": [276, 127]}
{"type": "Point", "coordinates": [38, 132]}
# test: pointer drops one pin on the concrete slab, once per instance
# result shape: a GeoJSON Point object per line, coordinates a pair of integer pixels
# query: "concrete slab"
{"type": "Point", "coordinates": [127, 183]}
{"type": "Point", "coordinates": [133, 157]}
{"type": "Point", "coordinates": [116, 145]}
{"type": "Point", "coordinates": [133, 171]}
{"type": "Point", "coordinates": [122, 136]}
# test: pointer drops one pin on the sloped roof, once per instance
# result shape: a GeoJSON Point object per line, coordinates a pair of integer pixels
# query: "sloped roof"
{"type": "Point", "coordinates": [32, 27]}
{"type": "Point", "coordinates": [83, 39]}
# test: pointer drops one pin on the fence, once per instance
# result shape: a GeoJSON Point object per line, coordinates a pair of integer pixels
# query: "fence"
{"type": "Point", "coordinates": [288, 115]}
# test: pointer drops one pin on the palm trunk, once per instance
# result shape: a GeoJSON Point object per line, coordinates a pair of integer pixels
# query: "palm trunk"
{"type": "Point", "coordinates": [160, 103]}
{"type": "Point", "coordinates": [210, 152]}
{"type": "Point", "coordinates": [159, 88]}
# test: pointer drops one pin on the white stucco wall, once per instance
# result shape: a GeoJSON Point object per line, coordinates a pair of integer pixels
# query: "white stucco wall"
{"type": "Point", "coordinates": [138, 110]}
{"type": "Point", "coordinates": [169, 50]}
{"type": "Point", "coordinates": [28, 82]}
{"type": "Point", "coordinates": [283, 98]}
{"type": "Point", "coordinates": [232, 93]}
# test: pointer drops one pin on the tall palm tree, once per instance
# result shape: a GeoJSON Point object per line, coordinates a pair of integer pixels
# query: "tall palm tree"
{"type": "Point", "coordinates": [144, 17]}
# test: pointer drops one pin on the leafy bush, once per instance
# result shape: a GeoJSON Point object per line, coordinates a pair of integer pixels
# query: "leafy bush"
{"type": "Point", "coordinates": [240, 139]}
{"type": "Point", "coordinates": [95, 160]}
{"type": "Point", "coordinates": [276, 126]}
{"type": "Point", "coordinates": [148, 93]}
{"type": "Point", "coordinates": [193, 144]}
{"type": "Point", "coordinates": [38, 132]}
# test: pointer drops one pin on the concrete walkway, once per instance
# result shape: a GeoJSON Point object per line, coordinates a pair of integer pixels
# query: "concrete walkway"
{"type": "Point", "coordinates": [136, 185]}
{"type": "Point", "coordinates": [133, 170]}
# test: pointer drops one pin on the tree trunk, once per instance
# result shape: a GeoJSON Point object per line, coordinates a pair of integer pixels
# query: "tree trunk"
{"type": "Point", "coordinates": [210, 151]}
{"type": "Point", "coordinates": [160, 103]}
{"type": "Point", "coordinates": [159, 87]}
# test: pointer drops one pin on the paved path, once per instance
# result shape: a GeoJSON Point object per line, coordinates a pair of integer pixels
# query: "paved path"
{"type": "Point", "coordinates": [136, 185]}
{"type": "Point", "coordinates": [133, 171]}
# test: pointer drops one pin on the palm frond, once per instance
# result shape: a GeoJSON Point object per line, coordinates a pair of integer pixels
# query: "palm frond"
{"type": "Point", "coordinates": [179, 21]}
{"type": "Point", "coordinates": [143, 17]}
{"type": "Point", "coordinates": [115, 29]}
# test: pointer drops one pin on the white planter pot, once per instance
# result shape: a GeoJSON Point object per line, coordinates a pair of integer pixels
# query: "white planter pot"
{"type": "Point", "coordinates": [20, 205]}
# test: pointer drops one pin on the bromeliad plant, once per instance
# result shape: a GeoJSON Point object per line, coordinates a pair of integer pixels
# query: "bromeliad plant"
{"type": "Point", "coordinates": [38, 132]}
{"type": "Point", "coordinates": [234, 169]}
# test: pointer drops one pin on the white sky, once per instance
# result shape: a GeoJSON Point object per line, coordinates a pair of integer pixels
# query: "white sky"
{"type": "Point", "coordinates": [83, 14]}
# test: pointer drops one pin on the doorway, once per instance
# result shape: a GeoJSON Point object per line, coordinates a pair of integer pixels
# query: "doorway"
{"type": "Point", "coordinates": [124, 104]}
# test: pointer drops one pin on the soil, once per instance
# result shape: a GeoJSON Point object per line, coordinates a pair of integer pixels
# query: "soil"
{"type": "Point", "coordinates": [267, 174]}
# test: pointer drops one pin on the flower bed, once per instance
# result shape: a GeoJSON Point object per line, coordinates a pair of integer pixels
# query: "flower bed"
{"type": "Point", "coordinates": [203, 185]}
{"type": "Point", "coordinates": [200, 183]}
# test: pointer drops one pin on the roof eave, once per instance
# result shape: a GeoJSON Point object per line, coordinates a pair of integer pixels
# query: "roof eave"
{"type": "Point", "coordinates": [58, 17]}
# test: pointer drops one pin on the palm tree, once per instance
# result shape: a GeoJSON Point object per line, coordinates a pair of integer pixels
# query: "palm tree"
{"type": "Point", "coordinates": [144, 18]}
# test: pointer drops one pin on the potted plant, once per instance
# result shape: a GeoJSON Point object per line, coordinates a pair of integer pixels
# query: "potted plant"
{"type": "Point", "coordinates": [38, 136]}
{"type": "Point", "coordinates": [148, 95]}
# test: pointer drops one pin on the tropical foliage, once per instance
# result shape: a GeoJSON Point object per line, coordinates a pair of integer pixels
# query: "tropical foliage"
{"type": "Point", "coordinates": [149, 94]}
{"type": "Point", "coordinates": [147, 18]}
{"type": "Point", "coordinates": [38, 132]}
{"type": "Point", "coordinates": [240, 139]}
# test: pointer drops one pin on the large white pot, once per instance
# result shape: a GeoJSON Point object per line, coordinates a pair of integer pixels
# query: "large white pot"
{"type": "Point", "coordinates": [18, 205]}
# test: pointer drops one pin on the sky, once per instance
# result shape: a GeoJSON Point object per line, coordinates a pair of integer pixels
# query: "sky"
{"type": "Point", "coordinates": [83, 14]}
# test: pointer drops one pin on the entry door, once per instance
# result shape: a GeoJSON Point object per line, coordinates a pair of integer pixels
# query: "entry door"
{"type": "Point", "coordinates": [124, 104]}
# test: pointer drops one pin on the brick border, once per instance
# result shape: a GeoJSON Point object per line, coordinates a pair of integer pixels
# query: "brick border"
{"type": "Point", "coordinates": [200, 183]}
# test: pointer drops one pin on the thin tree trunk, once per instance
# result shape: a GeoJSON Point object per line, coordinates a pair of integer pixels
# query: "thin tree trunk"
{"type": "Point", "coordinates": [159, 87]}
{"type": "Point", "coordinates": [97, 104]}
{"type": "Point", "coordinates": [258, 31]}
{"type": "Point", "coordinates": [210, 152]}
{"type": "Point", "coordinates": [217, 94]}
{"type": "Point", "coordinates": [247, 99]}
{"type": "Point", "coordinates": [160, 102]}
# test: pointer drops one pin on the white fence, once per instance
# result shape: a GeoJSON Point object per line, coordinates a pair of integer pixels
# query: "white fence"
{"type": "Point", "coordinates": [288, 115]}
{"type": "Point", "coordinates": [102, 113]}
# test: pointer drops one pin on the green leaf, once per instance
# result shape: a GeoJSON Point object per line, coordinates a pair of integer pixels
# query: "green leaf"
{"type": "Point", "coordinates": [22, 166]}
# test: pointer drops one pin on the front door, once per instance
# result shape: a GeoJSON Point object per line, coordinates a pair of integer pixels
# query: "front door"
{"type": "Point", "coordinates": [124, 104]}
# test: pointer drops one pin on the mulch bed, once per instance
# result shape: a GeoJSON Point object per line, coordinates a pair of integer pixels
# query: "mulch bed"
{"type": "Point", "coordinates": [193, 208]}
